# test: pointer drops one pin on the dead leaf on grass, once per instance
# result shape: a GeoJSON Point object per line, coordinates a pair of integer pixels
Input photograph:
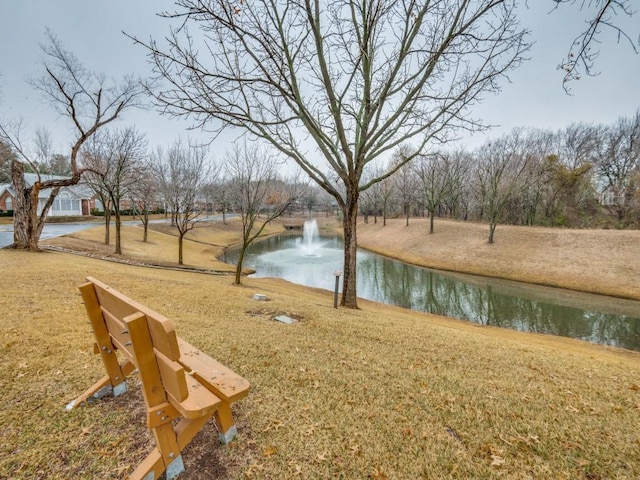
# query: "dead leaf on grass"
{"type": "Point", "coordinates": [274, 424]}
{"type": "Point", "coordinates": [269, 450]}
{"type": "Point", "coordinates": [321, 457]}
{"type": "Point", "coordinates": [254, 468]}
{"type": "Point", "coordinates": [497, 461]}
{"type": "Point", "coordinates": [378, 473]}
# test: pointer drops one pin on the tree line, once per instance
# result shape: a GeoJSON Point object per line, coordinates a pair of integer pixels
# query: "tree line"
{"type": "Point", "coordinates": [582, 176]}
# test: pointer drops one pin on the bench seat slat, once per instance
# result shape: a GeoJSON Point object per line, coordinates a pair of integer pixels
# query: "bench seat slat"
{"type": "Point", "coordinates": [218, 378]}
{"type": "Point", "coordinates": [199, 401]}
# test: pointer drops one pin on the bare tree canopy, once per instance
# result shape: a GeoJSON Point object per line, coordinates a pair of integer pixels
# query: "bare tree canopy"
{"type": "Point", "coordinates": [113, 161]}
{"type": "Point", "coordinates": [6, 157]}
{"type": "Point", "coordinates": [337, 83]}
{"type": "Point", "coordinates": [582, 55]}
{"type": "Point", "coordinates": [182, 171]}
{"type": "Point", "coordinates": [89, 101]}
{"type": "Point", "coordinates": [256, 192]}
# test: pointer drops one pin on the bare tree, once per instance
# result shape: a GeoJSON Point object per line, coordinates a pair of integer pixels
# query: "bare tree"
{"type": "Point", "coordinates": [387, 191]}
{"type": "Point", "coordinates": [567, 171]}
{"type": "Point", "coordinates": [257, 193]}
{"type": "Point", "coordinates": [618, 162]}
{"type": "Point", "coordinates": [89, 102]}
{"type": "Point", "coordinates": [404, 180]}
{"type": "Point", "coordinates": [94, 160]}
{"type": "Point", "coordinates": [501, 164]}
{"type": "Point", "coordinates": [373, 198]}
{"type": "Point", "coordinates": [182, 171]}
{"type": "Point", "coordinates": [582, 56]}
{"type": "Point", "coordinates": [357, 79]}
{"type": "Point", "coordinates": [438, 175]}
{"type": "Point", "coordinates": [144, 196]}
{"type": "Point", "coordinates": [114, 167]}
{"type": "Point", "coordinates": [6, 158]}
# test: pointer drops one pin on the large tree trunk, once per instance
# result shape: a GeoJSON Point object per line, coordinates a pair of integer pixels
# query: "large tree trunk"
{"type": "Point", "coordinates": [145, 223]}
{"type": "Point", "coordinates": [118, 237]}
{"type": "Point", "coordinates": [27, 226]}
{"type": "Point", "coordinates": [238, 277]}
{"type": "Point", "coordinates": [180, 243]}
{"type": "Point", "coordinates": [107, 224]}
{"type": "Point", "coordinates": [349, 222]}
{"type": "Point", "coordinates": [492, 229]}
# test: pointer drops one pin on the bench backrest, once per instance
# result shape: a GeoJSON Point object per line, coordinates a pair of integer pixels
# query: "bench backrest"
{"type": "Point", "coordinates": [145, 337]}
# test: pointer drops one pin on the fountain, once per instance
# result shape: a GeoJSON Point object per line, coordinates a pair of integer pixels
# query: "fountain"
{"type": "Point", "coordinates": [308, 260]}
{"type": "Point", "coordinates": [310, 245]}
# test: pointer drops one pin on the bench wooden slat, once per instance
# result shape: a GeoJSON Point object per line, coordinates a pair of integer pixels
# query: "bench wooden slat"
{"type": "Point", "coordinates": [173, 377]}
{"type": "Point", "coordinates": [161, 329]}
{"type": "Point", "coordinates": [116, 328]}
{"type": "Point", "coordinates": [218, 378]}
{"type": "Point", "coordinates": [145, 359]}
{"type": "Point", "coordinates": [101, 334]}
{"type": "Point", "coordinates": [199, 401]}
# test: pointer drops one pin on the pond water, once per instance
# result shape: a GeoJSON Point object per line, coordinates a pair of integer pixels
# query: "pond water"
{"type": "Point", "coordinates": [503, 303]}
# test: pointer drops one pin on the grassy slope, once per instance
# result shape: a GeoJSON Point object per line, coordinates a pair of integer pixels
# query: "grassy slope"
{"type": "Point", "coordinates": [596, 261]}
{"type": "Point", "coordinates": [375, 393]}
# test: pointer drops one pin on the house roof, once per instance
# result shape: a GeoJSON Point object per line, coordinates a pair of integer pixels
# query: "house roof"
{"type": "Point", "coordinates": [6, 186]}
{"type": "Point", "coordinates": [78, 191]}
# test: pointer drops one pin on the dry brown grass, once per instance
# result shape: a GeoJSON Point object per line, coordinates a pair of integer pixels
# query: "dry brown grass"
{"type": "Point", "coordinates": [202, 246]}
{"type": "Point", "coordinates": [596, 261]}
{"type": "Point", "coordinates": [376, 393]}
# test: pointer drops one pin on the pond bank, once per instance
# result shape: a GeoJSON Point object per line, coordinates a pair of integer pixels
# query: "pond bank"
{"type": "Point", "coordinates": [605, 262]}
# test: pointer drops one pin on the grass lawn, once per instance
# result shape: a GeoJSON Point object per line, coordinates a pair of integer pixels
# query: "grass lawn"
{"type": "Point", "coordinates": [379, 392]}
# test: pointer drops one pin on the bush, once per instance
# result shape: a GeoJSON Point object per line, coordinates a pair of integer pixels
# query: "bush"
{"type": "Point", "coordinates": [8, 213]}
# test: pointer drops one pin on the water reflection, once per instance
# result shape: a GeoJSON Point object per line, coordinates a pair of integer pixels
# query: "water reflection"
{"type": "Point", "coordinates": [501, 303]}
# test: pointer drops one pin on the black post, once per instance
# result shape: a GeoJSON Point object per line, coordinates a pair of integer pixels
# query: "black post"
{"type": "Point", "coordinates": [337, 273]}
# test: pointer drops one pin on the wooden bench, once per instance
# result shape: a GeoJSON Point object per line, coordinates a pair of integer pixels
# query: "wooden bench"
{"type": "Point", "coordinates": [178, 380]}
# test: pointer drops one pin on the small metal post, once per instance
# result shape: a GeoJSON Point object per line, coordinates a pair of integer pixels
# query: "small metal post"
{"type": "Point", "coordinates": [337, 274]}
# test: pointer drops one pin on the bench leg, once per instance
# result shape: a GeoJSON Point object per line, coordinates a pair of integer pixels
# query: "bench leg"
{"type": "Point", "coordinates": [227, 430]}
{"type": "Point", "coordinates": [167, 444]}
{"type": "Point", "coordinates": [165, 458]}
{"type": "Point", "coordinates": [102, 388]}
{"type": "Point", "coordinates": [150, 469]}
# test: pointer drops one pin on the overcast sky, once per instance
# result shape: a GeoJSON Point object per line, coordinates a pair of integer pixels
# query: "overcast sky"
{"type": "Point", "coordinates": [92, 31]}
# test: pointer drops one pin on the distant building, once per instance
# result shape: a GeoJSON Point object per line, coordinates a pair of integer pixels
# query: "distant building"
{"type": "Point", "coordinates": [6, 198]}
{"type": "Point", "coordinates": [75, 200]}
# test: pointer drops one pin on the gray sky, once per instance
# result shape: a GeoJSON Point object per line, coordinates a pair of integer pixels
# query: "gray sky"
{"type": "Point", "coordinates": [92, 31]}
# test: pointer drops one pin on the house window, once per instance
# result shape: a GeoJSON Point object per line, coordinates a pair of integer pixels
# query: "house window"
{"type": "Point", "coordinates": [8, 203]}
{"type": "Point", "coordinates": [63, 203]}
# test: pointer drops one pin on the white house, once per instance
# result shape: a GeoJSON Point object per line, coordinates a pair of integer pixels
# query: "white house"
{"type": "Point", "coordinates": [6, 197]}
{"type": "Point", "coordinates": [75, 200]}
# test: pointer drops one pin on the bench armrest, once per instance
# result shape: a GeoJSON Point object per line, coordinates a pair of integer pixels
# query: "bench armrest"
{"type": "Point", "coordinates": [216, 377]}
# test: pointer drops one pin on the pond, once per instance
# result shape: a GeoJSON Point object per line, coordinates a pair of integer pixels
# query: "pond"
{"type": "Point", "coordinates": [502, 303]}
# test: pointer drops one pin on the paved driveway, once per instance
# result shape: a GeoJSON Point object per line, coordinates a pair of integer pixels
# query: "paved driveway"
{"type": "Point", "coordinates": [50, 230]}
{"type": "Point", "coordinates": [6, 235]}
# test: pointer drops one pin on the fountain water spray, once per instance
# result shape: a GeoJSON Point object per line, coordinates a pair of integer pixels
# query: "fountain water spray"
{"type": "Point", "coordinates": [310, 244]}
